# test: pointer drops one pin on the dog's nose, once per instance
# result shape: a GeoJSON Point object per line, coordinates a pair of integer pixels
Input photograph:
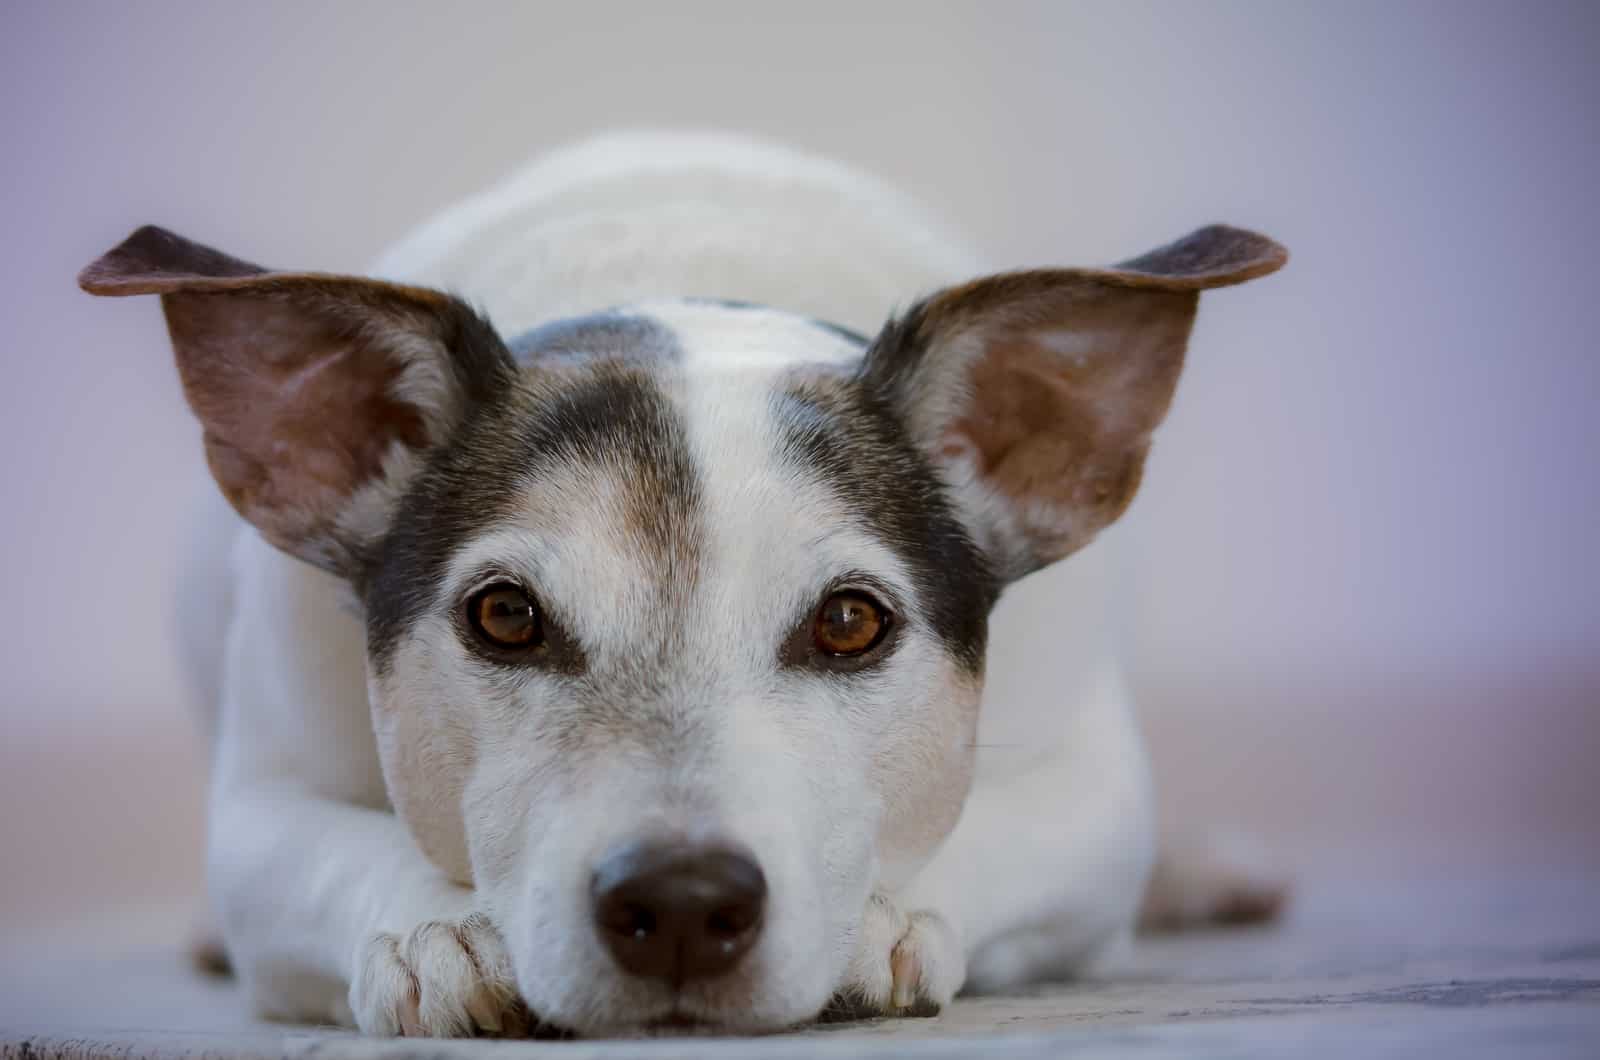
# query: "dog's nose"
{"type": "Point", "coordinates": [677, 911]}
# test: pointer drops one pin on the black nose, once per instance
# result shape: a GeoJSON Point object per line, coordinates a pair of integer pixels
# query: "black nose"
{"type": "Point", "coordinates": [678, 911]}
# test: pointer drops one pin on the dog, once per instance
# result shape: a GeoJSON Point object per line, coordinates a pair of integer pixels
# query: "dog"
{"type": "Point", "coordinates": [616, 667]}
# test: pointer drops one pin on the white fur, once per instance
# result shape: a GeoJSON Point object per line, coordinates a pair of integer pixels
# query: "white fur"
{"type": "Point", "coordinates": [328, 906]}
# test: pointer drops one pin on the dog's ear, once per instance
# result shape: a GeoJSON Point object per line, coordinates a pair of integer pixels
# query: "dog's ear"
{"type": "Point", "coordinates": [1036, 393]}
{"type": "Point", "coordinates": [316, 392]}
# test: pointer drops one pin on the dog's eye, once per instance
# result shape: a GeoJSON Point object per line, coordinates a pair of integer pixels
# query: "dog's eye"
{"type": "Point", "coordinates": [849, 623]}
{"type": "Point", "coordinates": [505, 617]}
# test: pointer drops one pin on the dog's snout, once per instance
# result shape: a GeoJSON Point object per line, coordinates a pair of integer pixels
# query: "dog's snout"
{"type": "Point", "coordinates": [677, 911]}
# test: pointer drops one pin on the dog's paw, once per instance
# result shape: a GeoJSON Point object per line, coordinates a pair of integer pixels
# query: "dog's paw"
{"type": "Point", "coordinates": [904, 965]}
{"type": "Point", "coordinates": [1213, 880]}
{"type": "Point", "coordinates": [446, 979]}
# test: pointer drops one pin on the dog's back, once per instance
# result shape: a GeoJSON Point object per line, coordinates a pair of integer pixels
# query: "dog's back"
{"type": "Point", "coordinates": [633, 217]}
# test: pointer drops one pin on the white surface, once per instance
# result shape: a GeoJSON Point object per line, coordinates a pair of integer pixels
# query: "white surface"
{"type": "Point", "coordinates": [1494, 963]}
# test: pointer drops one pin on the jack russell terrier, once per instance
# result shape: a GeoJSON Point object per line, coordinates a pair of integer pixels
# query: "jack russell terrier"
{"type": "Point", "coordinates": [617, 666]}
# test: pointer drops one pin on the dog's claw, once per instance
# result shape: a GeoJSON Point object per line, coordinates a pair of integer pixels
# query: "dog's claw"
{"type": "Point", "coordinates": [904, 965]}
{"type": "Point", "coordinates": [907, 972]}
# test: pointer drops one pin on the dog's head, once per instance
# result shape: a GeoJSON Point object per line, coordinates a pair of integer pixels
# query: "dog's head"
{"type": "Point", "coordinates": [676, 614]}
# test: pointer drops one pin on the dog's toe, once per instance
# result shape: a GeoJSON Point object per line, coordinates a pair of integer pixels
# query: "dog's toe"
{"type": "Point", "coordinates": [905, 965]}
{"type": "Point", "coordinates": [445, 979]}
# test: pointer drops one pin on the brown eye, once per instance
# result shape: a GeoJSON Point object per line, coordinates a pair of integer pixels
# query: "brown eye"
{"type": "Point", "coordinates": [849, 623]}
{"type": "Point", "coordinates": [505, 617]}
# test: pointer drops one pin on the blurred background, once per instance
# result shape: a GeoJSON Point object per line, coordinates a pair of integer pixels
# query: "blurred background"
{"type": "Point", "coordinates": [1365, 607]}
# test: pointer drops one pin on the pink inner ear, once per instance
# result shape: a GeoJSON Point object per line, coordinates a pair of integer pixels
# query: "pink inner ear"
{"type": "Point", "coordinates": [1045, 431]}
{"type": "Point", "coordinates": [1064, 393]}
{"type": "Point", "coordinates": [298, 409]}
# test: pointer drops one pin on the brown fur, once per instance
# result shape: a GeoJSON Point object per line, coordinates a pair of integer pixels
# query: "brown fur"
{"type": "Point", "coordinates": [1051, 382]}
{"type": "Point", "coordinates": [1071, 431]}
{"type": "Point", "coordinates": [298, 413]}
{"type": "Point", "coordinates": [1208, 881]}
{"type": "Point", "coordinates": [294, 377]}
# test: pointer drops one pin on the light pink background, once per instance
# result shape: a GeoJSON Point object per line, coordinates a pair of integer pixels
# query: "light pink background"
{"type": "Point", "coordinates": [1364, 597]}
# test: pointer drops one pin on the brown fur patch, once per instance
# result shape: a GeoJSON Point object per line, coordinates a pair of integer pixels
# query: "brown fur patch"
{"type": "Point", "coordinates": [837, 430]}
{"type": "Point", "coordinates": [299, 409]}
{"type": "Point", "coordinates": [296, 377]}
{"type": "Point", "coordinates": [1205, 882]}
{"type": "Point", "coordinates": [1050, 382]}
{"type": "Point", "coordinates": [209, 956]}
{"type": "Point", "coordinates": [1071, 429]}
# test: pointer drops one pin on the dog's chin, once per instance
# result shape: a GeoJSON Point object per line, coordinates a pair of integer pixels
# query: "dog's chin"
{"type": "Point", "coordinates": [679, 1022]}
{"type": "Point", "coordinates": [590, 999]}
{"type": "Point", "coordinates": [683, 1018]}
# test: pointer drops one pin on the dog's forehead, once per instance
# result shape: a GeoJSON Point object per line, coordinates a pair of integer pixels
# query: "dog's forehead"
{"type": "Point", "coordinates": [695, 505]}
{"type": "Point", "coordinates": [693, 335]}
{"type": "Point", "coordinates": [678, 457]}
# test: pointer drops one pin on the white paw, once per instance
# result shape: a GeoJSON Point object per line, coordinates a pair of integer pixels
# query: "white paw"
{"type": "Point", "coordinates": [904, 965]}
{"type": "Point", "coordinates": [446, 979]}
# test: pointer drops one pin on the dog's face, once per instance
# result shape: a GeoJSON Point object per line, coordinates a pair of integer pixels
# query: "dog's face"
{"type": "Point", "coordinates": [676, 614]}
{"type": "Point", "coordinates": [679, 583]}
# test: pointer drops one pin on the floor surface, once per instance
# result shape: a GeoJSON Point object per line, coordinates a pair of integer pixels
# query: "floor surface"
{"type": "Point", "coordinates": [1482, 965]}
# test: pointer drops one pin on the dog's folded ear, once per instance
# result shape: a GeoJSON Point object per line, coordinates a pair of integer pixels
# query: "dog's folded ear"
{"type": "Point", "coordinates": [1036, 393]}
{"type": "Point", "coordinates": [315, 392]}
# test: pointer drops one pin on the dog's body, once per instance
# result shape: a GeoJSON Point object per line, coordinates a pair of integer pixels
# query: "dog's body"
{"type": "Point", "coordinates": [392, 850]}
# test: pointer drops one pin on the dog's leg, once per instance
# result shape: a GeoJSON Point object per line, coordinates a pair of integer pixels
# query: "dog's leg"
{"type": "Point", "coordinates": [1044, 872]}
{"type": "Point", "coordinates": [328, 909]}
{"type": "Point", "coordinates": [331, 913]}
